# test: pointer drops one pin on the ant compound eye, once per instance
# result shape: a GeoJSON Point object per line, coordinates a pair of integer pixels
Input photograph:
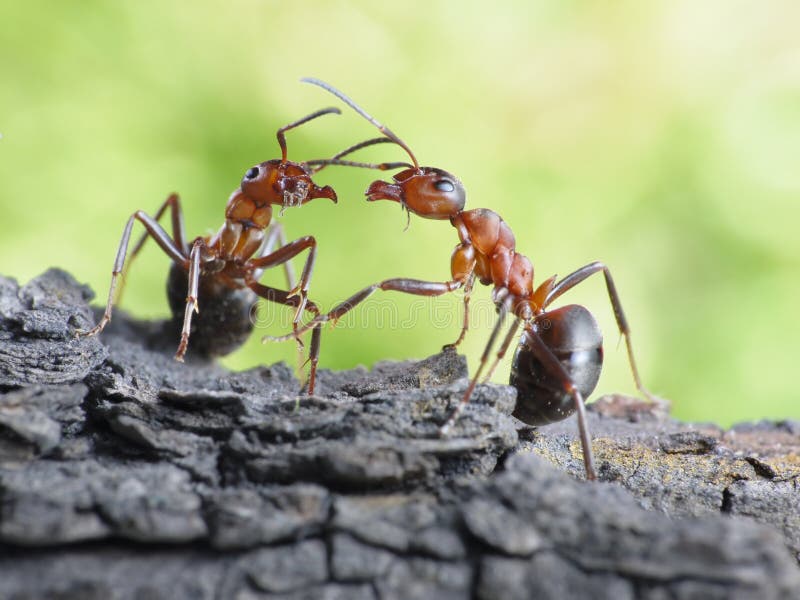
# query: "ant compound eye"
{"type": "Point", "coordinates": [444, 185]}
{"type": "Point", "coordinates": [252, 173]}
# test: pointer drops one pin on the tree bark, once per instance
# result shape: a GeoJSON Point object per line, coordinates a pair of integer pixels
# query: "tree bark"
{"type": "Point", "coordinates": [124, 474]}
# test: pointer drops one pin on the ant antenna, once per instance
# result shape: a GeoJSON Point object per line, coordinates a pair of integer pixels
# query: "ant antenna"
{"type": "Point", "coordinates": [360, 145]}
{"type": "Point", "coordinates": [335, 159]}
{"type": "Point", "coordinates": [306, 119]}
{"type": "Point", "coordinates": [382, 128]}
{"type": "Point", "coordinates": [321, 163]}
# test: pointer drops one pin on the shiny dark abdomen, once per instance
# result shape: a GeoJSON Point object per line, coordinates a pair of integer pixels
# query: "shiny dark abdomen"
{"type": "Point", "coordinates": [575, 339]}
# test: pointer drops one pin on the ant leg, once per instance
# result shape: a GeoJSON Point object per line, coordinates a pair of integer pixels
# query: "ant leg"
{"type": "Point", "coordinates": [191, 297]}
{"type": "Point", "coordinates": [178, 235]}
{"type": "Point", "coordinates": [279, 296]}
{"type": "Point", "coordinates": [275, 234]}
{"type": "Point", "coordinates": [313, 358]}
{"type": "Point", "coordinates": [512, 333]}
{"type": "Point", "coordinates": [286, 253]}
{"type": "Point", "coordinates": [172, 202]}
{"type": "Point", "coordinates": [577, 277]}
{"type": "Point", "coordinates": [161, 237]}
{"type": "Point", "coordinates": [465, 325]}
{"type": "Point", "coordinates": [283, 297]}
{"type": "Point", "coordinates": [504, 308]}
{"type": "Point", "coordinates": [551, 363]}
{"type": "Point", "coordinates": [408, 286]}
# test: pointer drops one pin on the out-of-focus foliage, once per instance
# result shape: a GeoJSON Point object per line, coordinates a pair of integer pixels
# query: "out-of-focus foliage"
{"type": "Point", "coordinates": [661, 137]}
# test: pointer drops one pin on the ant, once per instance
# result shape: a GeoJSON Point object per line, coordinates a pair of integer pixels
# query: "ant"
{"type": "Point", "coordinates": [559, 357]}
{"type": "Point", "coordinates": [221, 271]}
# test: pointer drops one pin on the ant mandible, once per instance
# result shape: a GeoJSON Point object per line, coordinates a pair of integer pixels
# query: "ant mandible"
{"type": "Point", "coordinates": [558, 361]}
{"type": "Point", "coordinates": [221, 271]}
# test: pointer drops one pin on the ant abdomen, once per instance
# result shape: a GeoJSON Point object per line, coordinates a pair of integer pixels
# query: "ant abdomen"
{"type": "Point", "coordinates": [225, 320]}
{"type": "Point", "coordinates": [572, 335]}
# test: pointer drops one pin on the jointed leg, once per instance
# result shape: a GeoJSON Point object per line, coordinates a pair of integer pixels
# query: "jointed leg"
{"type": "Point", "coordinates": [504, 308]}
{"type": "Point", "coordinates": [191, 297]}
{"type": "Point", "coordinates": [465, 325]}
{"type": "Point", "coordinates": [178, 235]}
{"type": "Point", "coordinates": [285, 298]}
{"type": "Point", "coordinates": [408, 286]}
{"type": "Point", "coordinates": [284, 254]}
{"type": "Point", "coordinates": [279, 297]}
{"type": "Point", "coordinates": [166, 243]}
{"type": "Point", "coordinates": [501, 352]}
{"type": "Point", "coordinates": [172, 202]}
{"type": "Point", "coordinates": [313, 358]}
{"type": "Point", "coordinates": [555, 368]}
{"type": "Point", "coordinates": [276, 235]}
{"type": "Point", "coordinates": [577, 277]}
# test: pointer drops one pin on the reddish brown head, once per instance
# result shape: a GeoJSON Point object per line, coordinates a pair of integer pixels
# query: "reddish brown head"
{"type": "Point", "coordinates": [426, 191]}
{"type": "Point", "coordinates": [282, 182]}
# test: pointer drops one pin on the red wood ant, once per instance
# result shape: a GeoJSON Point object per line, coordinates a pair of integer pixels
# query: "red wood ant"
{"type": "Point", "coordinates": [558, 361]}
{"type": "Point", "coordinates": [221, 271]}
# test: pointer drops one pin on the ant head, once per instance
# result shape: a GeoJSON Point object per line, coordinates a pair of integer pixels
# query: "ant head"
{"type": "Point", "coordinates": [282, 182]}
{"type": "Point", "coordinates": [426, 191]}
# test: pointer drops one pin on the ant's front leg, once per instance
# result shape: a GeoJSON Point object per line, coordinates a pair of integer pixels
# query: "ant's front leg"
{"type": "Point", "coordinates": [505, 307]}
{"type": "Point", "coordinates": [167, 244]}
{"type": "Point", "coordinates": [408, 286]}
{"type": "Point", "coordinates": [465, 323]}
{"type": "Point", "coordinates": [276, 236]}
{"type": "Point", "coordinates": [462, 267]}
{"type": "Point", "coordinates": [286, 253]}
{"type": "Point", "coordinates": [284, 298]}
{"type": "Point", "coordinates": [415, 287]}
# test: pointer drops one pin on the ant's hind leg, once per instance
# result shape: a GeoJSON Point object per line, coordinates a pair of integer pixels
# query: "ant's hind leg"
{"type": "Point", "coordinates": [545, 356]}
{"type": "Point", "coordinates": [580, 275]}
{"type": "Point", "coordinates": [178, 235]}
{"type": "Point", "coordinates": [161, 237]}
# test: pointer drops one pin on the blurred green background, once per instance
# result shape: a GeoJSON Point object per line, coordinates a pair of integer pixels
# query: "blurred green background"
{"type": "Point", "coordinates": [661, 137]}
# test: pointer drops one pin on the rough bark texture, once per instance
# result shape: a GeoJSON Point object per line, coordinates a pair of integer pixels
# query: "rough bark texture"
{"type": "Point", "coordinates": [124, 474]}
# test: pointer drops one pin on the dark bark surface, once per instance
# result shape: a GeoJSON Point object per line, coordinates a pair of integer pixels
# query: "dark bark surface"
{"type": "Point", "coordinates": [124, 474]}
